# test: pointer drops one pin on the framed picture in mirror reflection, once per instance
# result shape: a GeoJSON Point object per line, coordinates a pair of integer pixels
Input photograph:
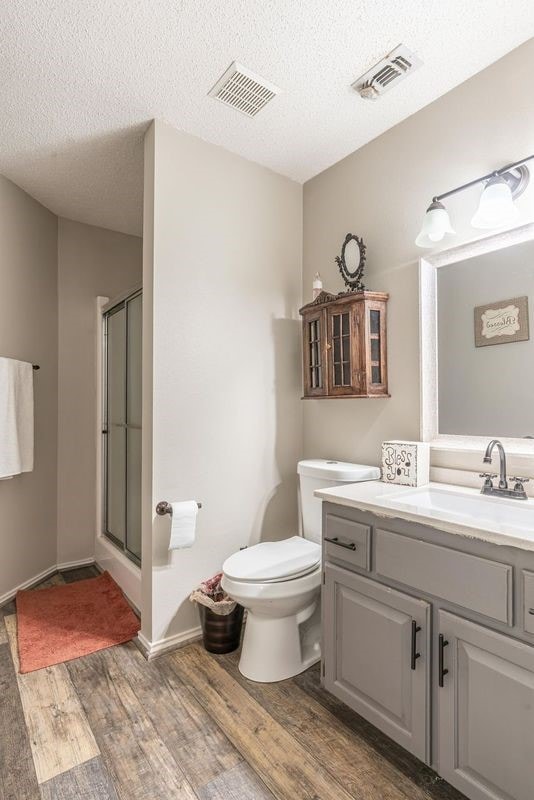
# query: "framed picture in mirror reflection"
{"type": "Point", "coordinates": [502, 322]}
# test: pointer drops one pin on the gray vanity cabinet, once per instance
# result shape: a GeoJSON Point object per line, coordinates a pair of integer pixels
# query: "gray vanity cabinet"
{"type": "Point", "coordinates": [486, 711]}
{"type": "Point", "coordinates": [377, 655]}
{"type": "Point", "coordinates": [394, 590]}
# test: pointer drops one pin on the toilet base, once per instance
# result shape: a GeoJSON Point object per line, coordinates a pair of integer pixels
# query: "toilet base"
{"type": "Point", "coordinates": [275, 649]}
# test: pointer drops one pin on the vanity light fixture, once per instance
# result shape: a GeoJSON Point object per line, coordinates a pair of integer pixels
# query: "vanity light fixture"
{"type": "Point", "coordinates": [436, 225]}
{"type": "Point", "coordinates": [496, 206]}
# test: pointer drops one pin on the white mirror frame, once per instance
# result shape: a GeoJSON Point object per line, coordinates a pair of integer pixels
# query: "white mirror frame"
{"type": "Point", "coordinates": [523, 449]}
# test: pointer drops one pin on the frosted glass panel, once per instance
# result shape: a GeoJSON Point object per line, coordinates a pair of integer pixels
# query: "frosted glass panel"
{"type": "Point", "coordinates": [133, 492]}
{"type": "Point", "coordinates": [135, 344]}
{"type": "Point", "coordinates": [116, 486]}
{"type": "Point", "coordinates": [123, 378]}
{"type": "Point", "coordinates": [116, 348]}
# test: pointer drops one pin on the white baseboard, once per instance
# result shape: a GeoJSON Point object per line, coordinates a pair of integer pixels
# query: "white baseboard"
{"type": "Point", "coordinates": [84, 562]}
{"type": "Point", "coordinates": [153, 649]}
{"type": "Point", "coordinates": [42, 576]}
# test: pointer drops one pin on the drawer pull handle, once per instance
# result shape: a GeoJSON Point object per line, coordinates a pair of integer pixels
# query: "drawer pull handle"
{"type": "Point", "coordinates": [341, 543]}
{"type": "Point", "coordinates": [531, 611]}
{"type": "Point", "coordinates": [441, 669]}
{"type": "Point", "coordinates": [415, 655]}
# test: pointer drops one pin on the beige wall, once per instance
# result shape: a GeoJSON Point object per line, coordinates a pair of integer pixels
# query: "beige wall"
{"type": "Point", "coordinates": [28, 331]}
{"type": "Point", "coordinates": [91, 262]}
{"type": "Point", "coordinates": [226, 277]}
{"type": "Point", "coordinates": [380, 192]}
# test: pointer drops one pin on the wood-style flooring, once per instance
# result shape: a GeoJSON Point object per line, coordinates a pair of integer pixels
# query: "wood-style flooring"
{"type": "Point", "coordinates": [112, 726]}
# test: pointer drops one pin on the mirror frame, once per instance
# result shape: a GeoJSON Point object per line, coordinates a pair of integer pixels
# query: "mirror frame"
{"type": "Point", "coordinates": [428, 349]}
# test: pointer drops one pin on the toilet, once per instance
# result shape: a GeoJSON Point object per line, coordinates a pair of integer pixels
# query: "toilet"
{"type": "Point", "coordinates": [279, 583]}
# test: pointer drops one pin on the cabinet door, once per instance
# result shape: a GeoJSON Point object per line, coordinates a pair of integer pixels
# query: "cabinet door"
{"type": "Point", "coordinates": [376, 644]}
{"type": "Point", "coordinates": [486, 711]}
{"type": "Point", "coordinates": [314, 354]}
{"type": "Point", "coordinates": [343, 346]}
{"type": "Point", "coordinates": [375, 348]}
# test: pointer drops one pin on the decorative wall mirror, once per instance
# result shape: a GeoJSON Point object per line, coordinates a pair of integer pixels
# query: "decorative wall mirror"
{"type": "Point", "coordinates": [351, 262]}
{"type": "Point", "coordinates": [477, 344]}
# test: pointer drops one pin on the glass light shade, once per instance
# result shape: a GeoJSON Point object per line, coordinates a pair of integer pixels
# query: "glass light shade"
{"type": "Point", "coordinates": [436, 225]}
{"type": "Point", "coordinates": [496, 207]}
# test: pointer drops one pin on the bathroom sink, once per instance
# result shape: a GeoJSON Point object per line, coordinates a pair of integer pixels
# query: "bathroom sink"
{"type": "Point", "coordinates": [514, 517]}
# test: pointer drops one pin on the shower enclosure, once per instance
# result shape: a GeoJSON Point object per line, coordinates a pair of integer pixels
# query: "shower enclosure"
{"type": "Point", "coordinates": [121, 429]}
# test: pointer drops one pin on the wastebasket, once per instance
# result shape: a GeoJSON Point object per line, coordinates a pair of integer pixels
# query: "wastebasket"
{"type": "Point", "coordinates": [220, 616]}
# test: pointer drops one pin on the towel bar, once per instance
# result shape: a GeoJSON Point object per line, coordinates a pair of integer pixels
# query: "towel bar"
{"type": "Point", "coordinates": [163, 508]}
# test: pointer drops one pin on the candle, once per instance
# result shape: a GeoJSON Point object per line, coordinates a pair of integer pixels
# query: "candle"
{"type": "Point", "coordinates": [317, 285]}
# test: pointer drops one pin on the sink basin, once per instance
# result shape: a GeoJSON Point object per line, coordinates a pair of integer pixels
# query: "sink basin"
{"type": "Point", "coordinates": [513, 517]}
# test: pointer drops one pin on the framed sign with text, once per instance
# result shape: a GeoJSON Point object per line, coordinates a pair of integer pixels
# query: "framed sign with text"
{"type": "Point", "coordinates": [502, 322]}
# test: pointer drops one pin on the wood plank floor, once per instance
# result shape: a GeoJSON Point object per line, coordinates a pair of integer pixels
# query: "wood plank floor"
{"type": "Point", "coordinates": [111, 726]}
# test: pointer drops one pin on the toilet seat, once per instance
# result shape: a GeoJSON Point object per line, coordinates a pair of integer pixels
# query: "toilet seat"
{"type": "Point", "coordinates": [273, 562]}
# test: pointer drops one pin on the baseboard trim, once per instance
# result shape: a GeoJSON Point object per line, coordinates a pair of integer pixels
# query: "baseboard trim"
{"type": "Point", "coordinates": [152, 650]}
{"type": "Point", "coordinates": [84, 562]}
{"type": "Point", "coordinates": [43, 576]}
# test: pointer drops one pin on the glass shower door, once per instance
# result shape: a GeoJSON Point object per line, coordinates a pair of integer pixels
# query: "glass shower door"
{"type": "Point", "coordinates": [122, 425]}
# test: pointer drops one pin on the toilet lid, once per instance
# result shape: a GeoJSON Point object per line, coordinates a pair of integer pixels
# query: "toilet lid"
{"type": "Point", "coordinates": [269, 561]}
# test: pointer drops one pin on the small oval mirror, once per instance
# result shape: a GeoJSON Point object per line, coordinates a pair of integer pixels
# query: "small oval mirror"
{"type": "Point", "coordinates": [352, 261]}
{"type": "Point", "coordinates": [352, 256]}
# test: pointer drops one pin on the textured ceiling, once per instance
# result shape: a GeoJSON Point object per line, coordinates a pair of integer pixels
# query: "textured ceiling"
{"type": "Point", "coordinates": [81, 79]}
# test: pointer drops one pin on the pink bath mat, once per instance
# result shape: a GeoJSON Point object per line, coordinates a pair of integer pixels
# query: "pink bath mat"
{"type": "Point", "coordinates": [66, 622]}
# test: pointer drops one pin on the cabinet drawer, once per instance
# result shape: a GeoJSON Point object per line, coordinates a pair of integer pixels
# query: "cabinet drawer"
{"type": "Point", "coordinates": [528, 601]}
{"type": "Point", "coordinates": [469, 581]}
{"type": "Point", "coordinates": [347, 541]}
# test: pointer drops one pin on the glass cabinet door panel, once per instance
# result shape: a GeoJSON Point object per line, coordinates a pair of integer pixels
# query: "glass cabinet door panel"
{"type": "Point", "coordinates": [314, 363]}
{"type": "Point", "coordinates": [375, 321]}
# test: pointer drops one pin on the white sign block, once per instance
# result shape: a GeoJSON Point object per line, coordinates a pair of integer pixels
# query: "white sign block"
{"type": "Point", "coordinates": [406, 463]}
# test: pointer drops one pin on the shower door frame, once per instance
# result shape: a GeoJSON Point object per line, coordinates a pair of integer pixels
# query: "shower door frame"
{"type": "Point", "coordinates": [116, 303]}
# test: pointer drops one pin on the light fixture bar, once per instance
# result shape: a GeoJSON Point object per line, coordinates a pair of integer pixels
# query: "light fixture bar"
{"type": "Point", "coordinates": [495, 172]}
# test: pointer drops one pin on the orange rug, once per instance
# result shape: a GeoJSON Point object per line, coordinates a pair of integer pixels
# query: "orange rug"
{"type": "Point", "coordinates": [66, 622]}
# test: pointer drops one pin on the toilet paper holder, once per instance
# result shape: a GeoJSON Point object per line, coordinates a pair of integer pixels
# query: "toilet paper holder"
{"type": "Point", "coordinates": [163, 507]}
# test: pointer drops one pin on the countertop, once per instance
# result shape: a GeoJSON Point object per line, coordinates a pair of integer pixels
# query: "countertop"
{"type": "Point", "coordinates": [372, 495]}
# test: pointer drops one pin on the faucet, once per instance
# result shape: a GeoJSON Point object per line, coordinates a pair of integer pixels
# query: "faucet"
{"type": "Point", "coordinates": [502, 490]}
{"type": "Point", "coordinates": [503, 483]}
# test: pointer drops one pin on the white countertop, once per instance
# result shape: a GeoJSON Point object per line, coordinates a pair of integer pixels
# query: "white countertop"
{"type": "Point", "coordinates": [373, 496]}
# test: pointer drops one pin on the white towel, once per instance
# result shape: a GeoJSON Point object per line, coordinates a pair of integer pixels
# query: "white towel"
{"type": "Point", "coordinates": [183, 523]}
{"type": "Point", "coordinates": [16, 417]}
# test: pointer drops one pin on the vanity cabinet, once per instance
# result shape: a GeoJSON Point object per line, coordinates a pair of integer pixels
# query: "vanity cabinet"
{"type": "Point", "coordinates": [428, 636]}
{"type": "Point", "coordinates": [376, 658]}
{"type": "Point", "coordinates": [344, 345]}
{"type": "Point", "coordinates": [486, 711]}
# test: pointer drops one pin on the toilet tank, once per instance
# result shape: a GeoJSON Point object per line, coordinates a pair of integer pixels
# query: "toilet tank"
{"type": "Point", "coordinates": [319, 473]}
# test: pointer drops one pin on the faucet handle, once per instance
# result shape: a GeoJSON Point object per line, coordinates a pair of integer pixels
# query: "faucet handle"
{"type": "Point", "coordinates": [488, 475]}
{"type": "Point", "coordinates": [519, 481]}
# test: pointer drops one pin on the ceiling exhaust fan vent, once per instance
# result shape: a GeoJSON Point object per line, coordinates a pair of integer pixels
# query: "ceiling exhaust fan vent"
{"type": "Point", "coordinates": [243, 90]}
{"type": "Point", "coordinates": [393, 69]}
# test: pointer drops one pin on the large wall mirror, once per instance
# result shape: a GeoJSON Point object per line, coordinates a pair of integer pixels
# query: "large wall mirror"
{"type": "Point", "coordinates": [477, 341]}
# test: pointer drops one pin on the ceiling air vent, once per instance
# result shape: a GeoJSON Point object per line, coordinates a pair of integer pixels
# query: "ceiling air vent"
{"type": "Point", "coordinates": [243, 90]}
{"type": "Point", "coordinates": [393, 69]}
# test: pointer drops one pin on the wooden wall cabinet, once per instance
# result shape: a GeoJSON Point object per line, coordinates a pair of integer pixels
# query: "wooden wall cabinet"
{"type": "Point", "coordinates": [344, 345]}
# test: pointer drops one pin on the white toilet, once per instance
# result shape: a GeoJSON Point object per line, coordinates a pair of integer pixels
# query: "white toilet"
{"type": "Point", "coordinates": [279, 583]}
